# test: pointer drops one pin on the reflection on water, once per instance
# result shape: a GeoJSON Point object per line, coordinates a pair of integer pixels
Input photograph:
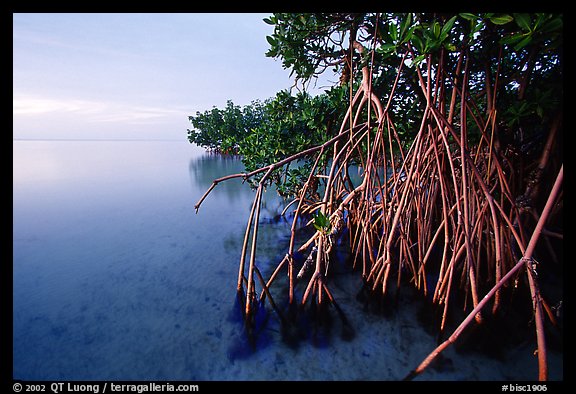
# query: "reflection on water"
{"type": "Point", "coordinates": [205, 168]}
{"type": "Point", "coordinates": [117, 278]}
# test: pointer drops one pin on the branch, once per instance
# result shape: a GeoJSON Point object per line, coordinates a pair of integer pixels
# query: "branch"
{"type": "Point", "coordinates": [276, 165]}
{"type": "Point", "coordinates": [527, 258]}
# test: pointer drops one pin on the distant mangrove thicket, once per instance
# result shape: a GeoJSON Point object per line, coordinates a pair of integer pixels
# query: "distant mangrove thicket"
{"type": "Point", "coordinates": [264, 133]}
{"type": "Point", "coordinates": [455, 121]}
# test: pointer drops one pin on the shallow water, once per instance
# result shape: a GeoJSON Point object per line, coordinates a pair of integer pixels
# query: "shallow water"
{"type": "Point", "coordinates": [117, 278]}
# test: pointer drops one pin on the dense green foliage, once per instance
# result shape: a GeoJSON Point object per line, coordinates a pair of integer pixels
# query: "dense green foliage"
{"type": "Point", "coordinates": [222, 130]}
{"type": "Point", "coordinates": [523, 49]}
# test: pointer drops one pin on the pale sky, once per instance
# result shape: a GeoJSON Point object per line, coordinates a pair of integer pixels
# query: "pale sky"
{"type": "Point", "coordinates": [136, 76]}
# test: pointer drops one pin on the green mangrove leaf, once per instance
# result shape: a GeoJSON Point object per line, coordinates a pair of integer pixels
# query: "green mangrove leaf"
{"type": "Point", "coordinates": [523, 21]}
{"type": "Point", "coordinates": [448, 26]}
{"type": "Point", "coordinates": [468, 16]}
{"type": "Point", "coordinates": [501, 19]}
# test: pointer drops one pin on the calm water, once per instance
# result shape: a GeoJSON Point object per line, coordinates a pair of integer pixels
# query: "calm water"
{"type": "Point", "coordinates": [117, 278]}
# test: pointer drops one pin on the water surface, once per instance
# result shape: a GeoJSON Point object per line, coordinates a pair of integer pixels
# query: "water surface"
{"type": "Point", "coordinates": [117, 278]}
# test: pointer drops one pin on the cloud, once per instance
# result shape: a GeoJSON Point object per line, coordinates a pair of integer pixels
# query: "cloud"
{"type": "Point", "coordinates": [137, 115]}
{"type": "Point", "coordinates": [92, 110]}
{"type": "Point", "coordinates": [41, 106]}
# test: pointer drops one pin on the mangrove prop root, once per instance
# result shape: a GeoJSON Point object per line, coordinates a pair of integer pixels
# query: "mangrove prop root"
{"type": "Point", "coordinates": [525, 262]}
{"type": "Point", "coordinates": [441, 212]}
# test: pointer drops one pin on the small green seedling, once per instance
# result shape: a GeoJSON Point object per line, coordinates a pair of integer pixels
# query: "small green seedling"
{"type": "Point", "coordinates": [322, 223]}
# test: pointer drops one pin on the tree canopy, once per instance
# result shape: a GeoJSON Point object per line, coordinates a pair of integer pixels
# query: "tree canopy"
{"type": "Point", "coordinates": [524, 50]}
